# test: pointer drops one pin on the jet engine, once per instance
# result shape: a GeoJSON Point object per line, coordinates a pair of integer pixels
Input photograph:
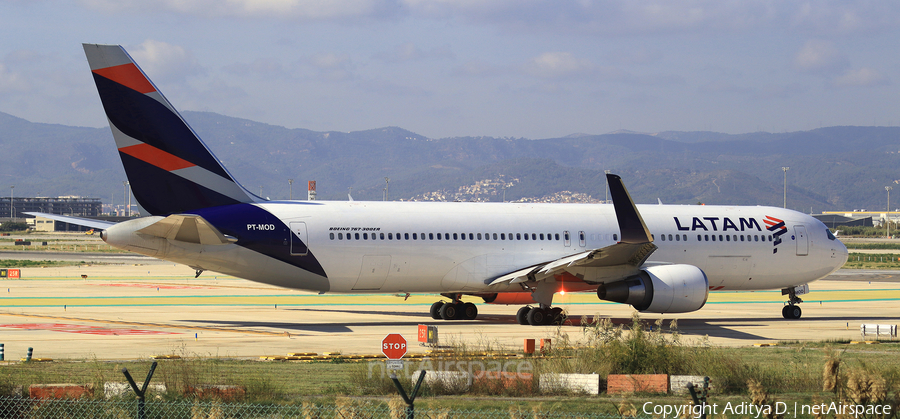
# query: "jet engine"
{"type": "Point", "coordinates": [660, 289]}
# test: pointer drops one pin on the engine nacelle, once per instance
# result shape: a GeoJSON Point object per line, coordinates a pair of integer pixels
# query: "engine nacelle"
{"type": "Point", "coordinates": [660, 289]}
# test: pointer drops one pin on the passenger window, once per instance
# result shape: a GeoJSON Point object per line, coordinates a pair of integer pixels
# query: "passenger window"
{"type": "Point", "coordinates": [677, 238]}
{"type": "Point", "coordinates": [502, 236]}
{"type": "Point", "coordinates": [720, 237]}
{"type": "Point", "coordinates": [533, 236]}
{"type": "Point", "coordinates": [455, 237]}
{"type": "Point", "coordinates": [684, 237]}
{"type": "Point", "coordinates": [770, 238]}
{"type": "Point", "coordinates": [706, 237]}
{"type": "Point", "coordinates": [365, 236]}
{"type": "Point", "coordinates": [439, 236]}
{"type": "Point", "coordinates": [581, 236]}
{"type": "Point", "coordinates": [518, 236]}
{"type": "Point", "coordinates": [331, 236]}
{"type": "Point", "coordinates": [340, 236]}
{"type": "Point", "coordinates": [446, 236]}
{"type": "Point", "coordinates": [405, 236]}
{"type": "Point", "coordinates": [556, 236]}
{"type": "Point", "coordinates": [430, 236]}
{"type": "Point", "coordinates": [471, 236]}
{"type": "Point", "coordinates": [735, 237]}
{"type": "Point", "coordinates": [727, 238]}
{"type": "Point", "coordinates": [699, 238]}
{"type": "Point", "coordinates": [615, 237]}
{"type": "Point", "coordinates": [390, 236]}
{"type": "Point", "coordinates": [415, 236]}
{"type": "Point", "coordinates": [742, 237]}
{"type": "Point", "coordinates": [714, 237]}
{"type": "Point", "coordinates": [526, 236]}
{"type": "Point", "coordinates": [542, 236]}
{"type": "Point", "coordinates": [357, 236]}
{"type": "Point", "coordinates": [422, 236]}
{"type": "Point", "coordinates": [670, 237]}
{"type": "Point", "coordinates": [495, 236]}
{"type": "Point", "coordinates": [663, 237]}
{"type": "Point", "coordinates": [478, 236]}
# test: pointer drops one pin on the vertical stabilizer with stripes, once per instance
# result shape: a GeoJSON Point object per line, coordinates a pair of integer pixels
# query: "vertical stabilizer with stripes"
{"type": "Point", "coordinates": [168, 166]}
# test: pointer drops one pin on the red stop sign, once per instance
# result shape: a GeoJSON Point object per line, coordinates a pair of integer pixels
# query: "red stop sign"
{"type": "Point", "coordinates": [393, 346]}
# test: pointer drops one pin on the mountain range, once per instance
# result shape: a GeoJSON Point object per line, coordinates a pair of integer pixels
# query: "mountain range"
{"type": "Point", "coordinates": [832, 168]}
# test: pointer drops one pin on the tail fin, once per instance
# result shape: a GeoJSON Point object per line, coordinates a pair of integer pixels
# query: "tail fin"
{"type": "Point", "coordinates": [168, 166]}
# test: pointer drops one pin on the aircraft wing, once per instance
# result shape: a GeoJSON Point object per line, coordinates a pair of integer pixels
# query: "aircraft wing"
{"type": "Point", "coordinates": [635, 246]}
{"type": "Point", "coordinates": [187, 228]}
{"type": "Point", "coordinates": [87, 222]}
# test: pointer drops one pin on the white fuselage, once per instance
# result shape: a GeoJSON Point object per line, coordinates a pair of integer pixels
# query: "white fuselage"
{"type": "Point", "coordinates": [377, 247]}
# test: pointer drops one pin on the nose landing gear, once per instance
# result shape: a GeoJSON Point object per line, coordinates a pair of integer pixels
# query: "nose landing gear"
{"type": "Point", "coordinates": [791, 311]}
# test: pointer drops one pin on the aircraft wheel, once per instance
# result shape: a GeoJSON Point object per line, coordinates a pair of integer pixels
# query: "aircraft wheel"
{"type": "Point", "coordinates": [791, 312]}
{"type": "Point", "coordinates": [436, 310]}
{"type": "Point", "coordinates": [522, 315]}
{"type": "Point", "coordinates": [469, 311]}
{"type": "Point", "coordinates": [449, 311]}
{"type": "Point", "coordinates": [537, 316]}
{"type": "Point", "coordinates": [557, 316]}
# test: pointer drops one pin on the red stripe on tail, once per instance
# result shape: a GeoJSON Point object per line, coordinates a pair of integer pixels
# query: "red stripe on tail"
{"type": "Point", "coordinates": [156, 157]}
{"type": "Point", "coordinates": [127, 75]}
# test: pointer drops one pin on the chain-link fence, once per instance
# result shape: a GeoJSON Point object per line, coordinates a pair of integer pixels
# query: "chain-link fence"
{"type": "Point", "coordinates": [25, 408]}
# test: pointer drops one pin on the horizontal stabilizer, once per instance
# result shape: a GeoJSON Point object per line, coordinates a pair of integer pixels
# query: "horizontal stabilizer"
{"type": "Point", "coordinates": [187, 228]}
{"type": "Point", "coordinates": [87, 222]}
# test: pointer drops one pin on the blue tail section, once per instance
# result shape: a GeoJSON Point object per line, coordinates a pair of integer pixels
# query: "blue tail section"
{"type": "Point", "coordinates": [170, 169]}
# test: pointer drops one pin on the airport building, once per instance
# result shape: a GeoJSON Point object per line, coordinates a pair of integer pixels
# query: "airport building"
{"type": "Point", "coordinates": [15, 209]}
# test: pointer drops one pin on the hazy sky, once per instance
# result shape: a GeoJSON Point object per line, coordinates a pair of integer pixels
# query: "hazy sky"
{"type": "Point", "coordinates": [520, 68]}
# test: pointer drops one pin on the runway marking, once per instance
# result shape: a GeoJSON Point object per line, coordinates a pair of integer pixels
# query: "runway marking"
{"type": "Point", "coordinates": [142, 324]}
{"type": "Point", "coordinates": [165, 287]}
{"type": "Point", "coordinates": [84, 329]}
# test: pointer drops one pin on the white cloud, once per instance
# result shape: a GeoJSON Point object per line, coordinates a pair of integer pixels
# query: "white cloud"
{"type": "Point", "coordinates": [11, 82]}
{"type": "Point", "coordinates": [165, 62]}
{"type": "Point", "coordinates": [303, 9]}
{"type": "Point", "coordinates": [410, 52]}
{"type": "Point", "coordinates": [557, 65]}
{"type": "Point", "coordinates": [862, 77]}
{"type": "Point", "coordinates": [818, 56]}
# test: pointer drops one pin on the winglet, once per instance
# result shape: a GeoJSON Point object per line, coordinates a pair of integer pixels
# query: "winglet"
{"type": "Point", "coordinates": [631, 225]}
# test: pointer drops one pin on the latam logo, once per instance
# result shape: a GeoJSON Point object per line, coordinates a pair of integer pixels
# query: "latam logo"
{"type": "Point", "coordinates": [777, 228]}
{"type": "Point", "coordinates": [718, 224]}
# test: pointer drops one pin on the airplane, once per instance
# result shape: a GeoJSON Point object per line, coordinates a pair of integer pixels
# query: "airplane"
{"type": "Point", "coordinates": [656, 258]}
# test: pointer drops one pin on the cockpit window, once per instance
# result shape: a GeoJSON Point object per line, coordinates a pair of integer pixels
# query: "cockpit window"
{"type": "Point", "coordinates": [830, 236]}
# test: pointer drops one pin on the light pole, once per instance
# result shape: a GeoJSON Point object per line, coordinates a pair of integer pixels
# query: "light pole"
{"type": "Point", "coordinates": [887, 215]}
{"type": "Point", "coordinates": [128, 194]}
{"type": "Point", "coordinates": [785, 169]}
{"type": "Point", "coordinates": [12, 207]}
{"type": "Point", "coordinates": [387, 184]}
{"type": "Point", "coordinates": [291, 186]}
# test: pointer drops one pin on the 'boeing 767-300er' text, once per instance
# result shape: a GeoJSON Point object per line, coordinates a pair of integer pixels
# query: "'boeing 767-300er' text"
{"type": "Point", "coordinates": [657, 258]}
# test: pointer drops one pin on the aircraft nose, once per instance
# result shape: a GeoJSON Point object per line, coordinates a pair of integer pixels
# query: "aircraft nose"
{"type": "Point", "coordinates": [840, 253]}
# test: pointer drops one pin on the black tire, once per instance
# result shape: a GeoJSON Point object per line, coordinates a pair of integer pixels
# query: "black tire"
{"type": "Point", "coordinates": [791, 312]}
{"type": "Point", "coordinates": [537, 316]}
{"type": "Point", "coordinates": [469, 311]}
{"type": "Point", "coordinates": [522, 315]}
{"type": "Point", "coordinates": [449, 311]}
{"type": "Point", "coordinates": [557, 316]}
{"type": "Point", "coordinates": [436, 310]}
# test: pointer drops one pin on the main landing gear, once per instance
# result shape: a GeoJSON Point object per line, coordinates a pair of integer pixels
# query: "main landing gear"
{"type": "Point", "coordinates": [791, 311]}
{"type": "Point", "coordinates": [541, 315]}
{"type": "Point", "coordinates": [454, 310]}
